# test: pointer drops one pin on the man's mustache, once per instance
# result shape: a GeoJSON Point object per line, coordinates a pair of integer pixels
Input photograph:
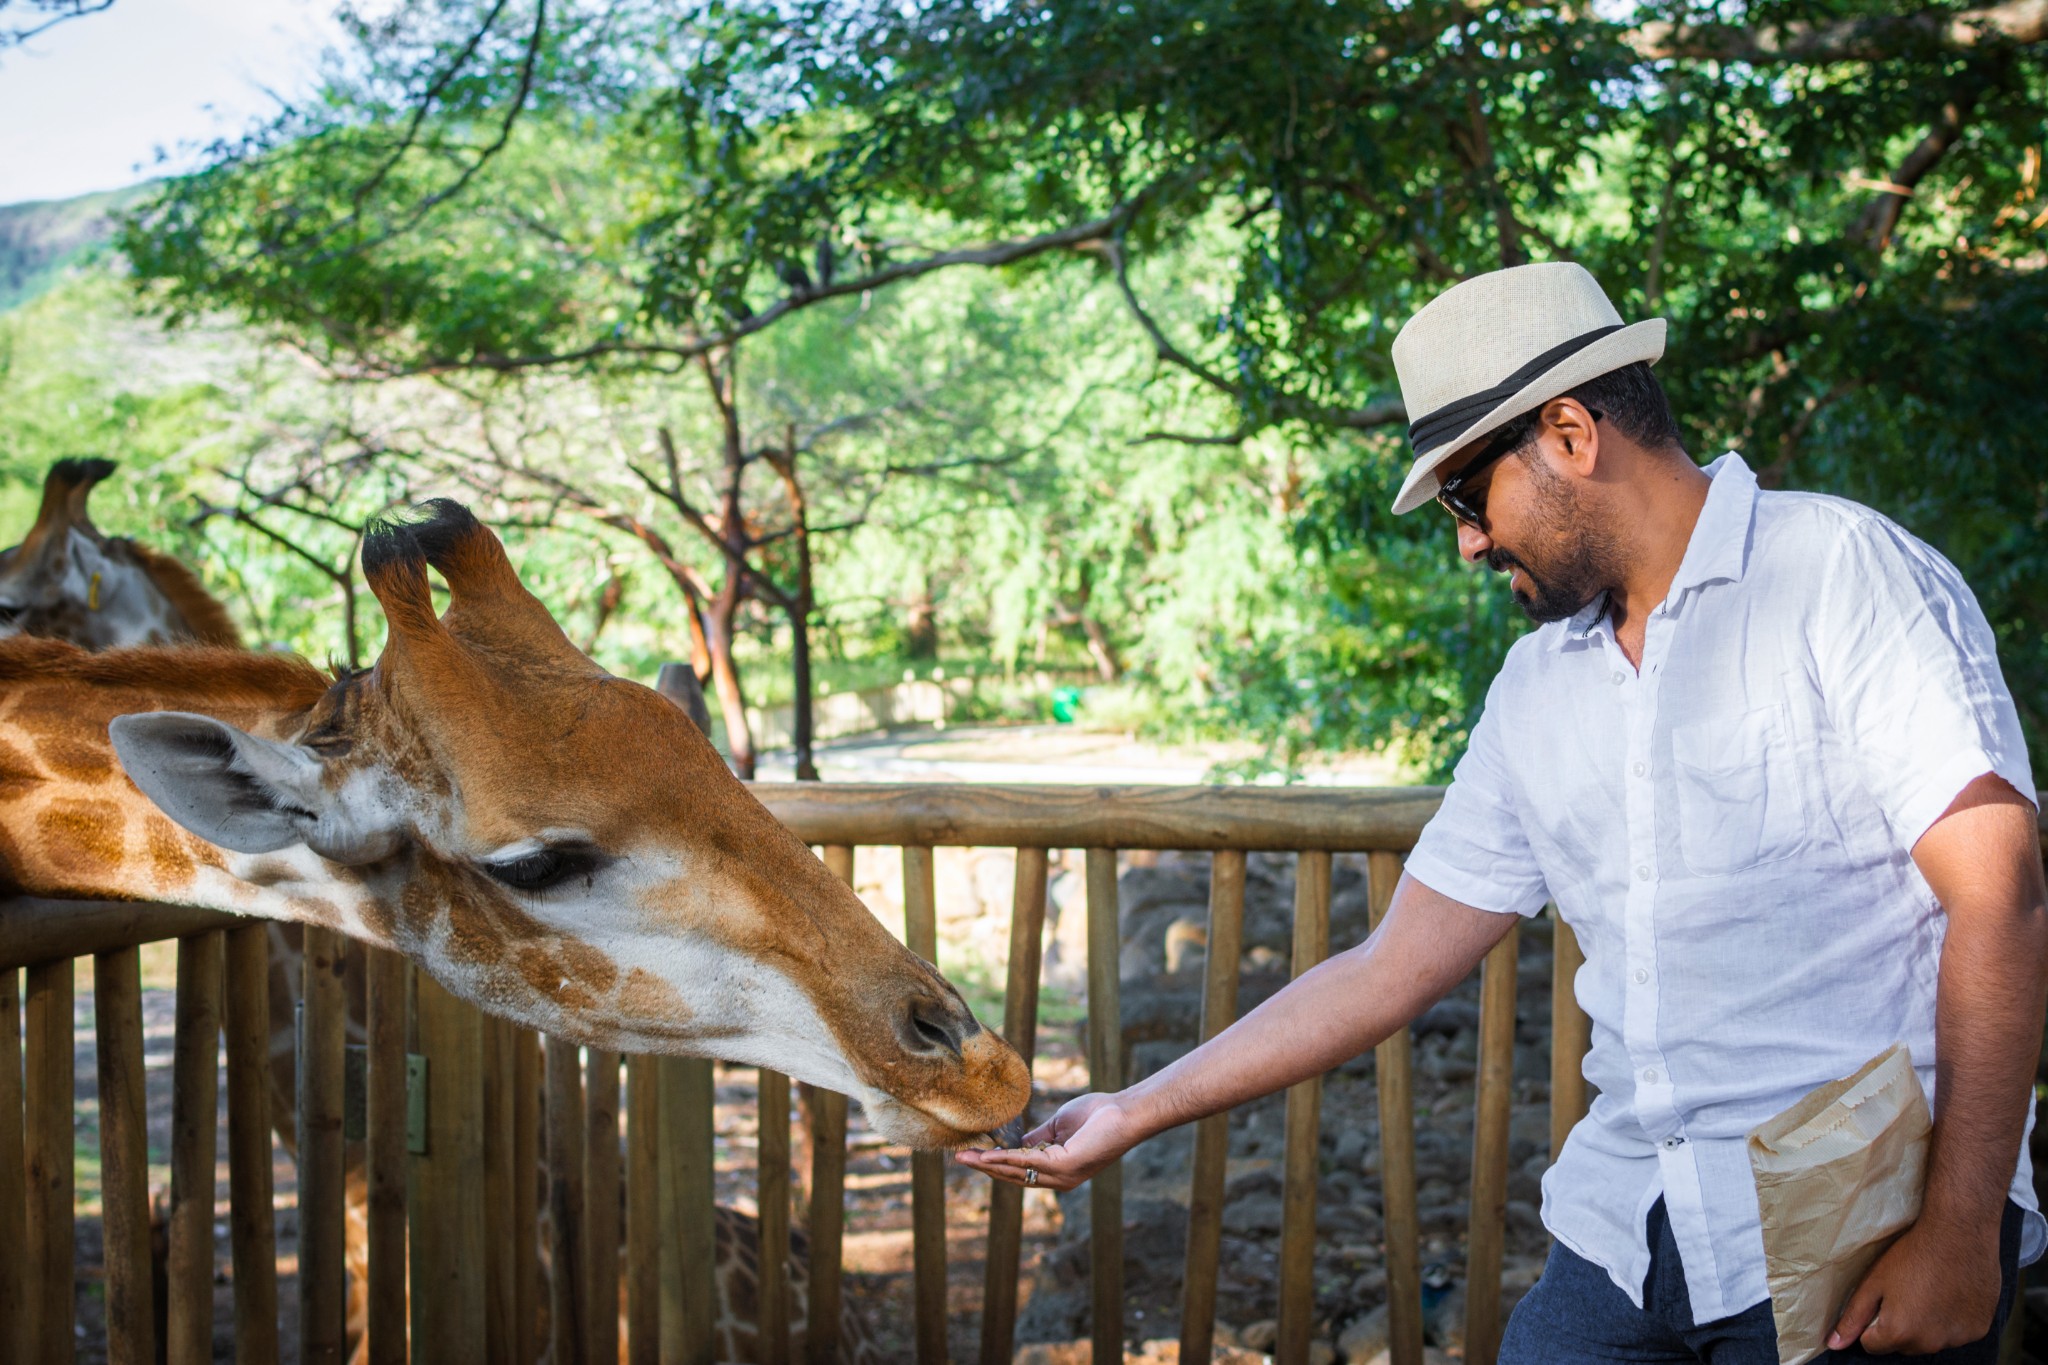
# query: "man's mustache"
{"type": "Point", "coordinates": [1500, 561]}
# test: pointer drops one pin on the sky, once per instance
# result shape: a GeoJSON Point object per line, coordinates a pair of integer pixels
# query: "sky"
{"type": "Point", "coordinates": [87, 105]}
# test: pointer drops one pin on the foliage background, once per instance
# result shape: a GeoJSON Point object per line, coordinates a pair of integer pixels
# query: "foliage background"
{"type": "Point", "coordinates": [1078, 317]}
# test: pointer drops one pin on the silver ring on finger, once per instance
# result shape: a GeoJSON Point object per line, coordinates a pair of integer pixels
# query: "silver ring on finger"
{"type": "Point", "coordinates": [1031, 1175]}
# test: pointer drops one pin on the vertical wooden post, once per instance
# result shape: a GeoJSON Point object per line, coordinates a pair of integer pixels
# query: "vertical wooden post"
{"type": "Point", "coordinates": [384, 1153]}
{"type": "Point", "coordinates": [445, 1184]}
{"type": "Point", "coordinates": [771, 1173]}
{"type": "Point", "coordinates": [1212, 1134]}
{"type": "Point", "coordinates": [16, 1252]}
{"type": "Point", "coordinates": [503, 1237]}
{"type": "Point", "coordinates": [1394, 1062]}
{"type": "Point", "coordinates": [47, 1086]}
{"type": "Point", "coordinates": [1105, 1072]}
{"type": "Point", "coordinates": [828, 1192]}
{"type": "Point", "coordinates": [643, 1206]}
{"type": "Point", "coordinates": [323, 1307]}
{"type": "Point", "coordinates": [195, 1119]}
{"type": "Point", "coordinates": [526, 1088]}
{"type": "Point", "coordinates": [1020, 1028]}
{"type": "Point", "coordinates": [252, 1224]}
{"type": "Point", "coordinates": [1304, 1130]}
{"type": "Point", "coordinates": [1488, 1233]}
{"type": "Point", "coordinates": [1571, 1034]}
{"type": "Point", "coordinates": [124, 1157]}
{"type": "Point", "coordinates": [927, 1169]}
{"type": "Point", "coordinates": [601, 1204]}
{"type": "Point", "coordinates": [688, 1244]}
{"type": "Point", "coordinates": [567, 1323]}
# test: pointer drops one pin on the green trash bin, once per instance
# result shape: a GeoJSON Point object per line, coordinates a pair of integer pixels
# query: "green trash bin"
{"type": "Point", "coordinates": [1066, 702]}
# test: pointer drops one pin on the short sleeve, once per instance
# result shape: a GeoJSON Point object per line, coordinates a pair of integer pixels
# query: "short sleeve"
{"type": "Point", "coordinates": [1909, 677]}
{"type": "Point", "coordinates": [1474, 849]}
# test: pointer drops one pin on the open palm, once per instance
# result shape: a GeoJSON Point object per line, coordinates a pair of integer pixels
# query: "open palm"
{"type": "Point", "coordinates": [1086, 1135]}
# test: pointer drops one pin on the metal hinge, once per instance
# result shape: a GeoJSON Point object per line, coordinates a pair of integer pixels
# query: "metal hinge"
{"type": "Point", "coordinates": [415, 1104]}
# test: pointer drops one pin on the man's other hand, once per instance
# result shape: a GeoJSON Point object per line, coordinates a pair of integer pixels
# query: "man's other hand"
{"type": "Point", "coordinates": [1934, 1288]}
{"type": "Point", "coordinates": [1086, 1135]}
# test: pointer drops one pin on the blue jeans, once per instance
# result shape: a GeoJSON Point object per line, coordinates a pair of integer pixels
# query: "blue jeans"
{"type": "Point", "coordinates": [1576, 1316]}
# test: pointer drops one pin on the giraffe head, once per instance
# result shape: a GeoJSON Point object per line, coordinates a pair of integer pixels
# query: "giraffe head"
{"type": "Point", "coordinates": [566, 848]}
{"type": "Point", "coordinates": [67, 580]}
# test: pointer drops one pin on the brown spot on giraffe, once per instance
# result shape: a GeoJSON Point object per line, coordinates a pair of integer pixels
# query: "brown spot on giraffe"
{"type": "Point", "coordinates": [642, 994]}
{"type": "Point", "coordinates": [70, 757]}
{"type": "Point", "coordinates": [83, 834]}
{"type": "Point", "coordinates": [170, 850]}
{"type": "Point", "coordinates": [589, 966]}
{"type": "Point", "coordinates": [20, 775]}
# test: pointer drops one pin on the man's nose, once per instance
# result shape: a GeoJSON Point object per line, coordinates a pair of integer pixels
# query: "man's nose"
{"type": "Point", "coordinates": [1473, 543]}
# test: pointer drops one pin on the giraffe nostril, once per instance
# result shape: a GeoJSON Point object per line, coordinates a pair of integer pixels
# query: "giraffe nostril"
{"type": "Point", "coordinates": [930, 1027]}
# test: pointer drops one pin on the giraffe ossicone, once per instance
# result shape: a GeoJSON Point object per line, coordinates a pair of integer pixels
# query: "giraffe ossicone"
{"type": "Point", "coordinates": [559, 845]}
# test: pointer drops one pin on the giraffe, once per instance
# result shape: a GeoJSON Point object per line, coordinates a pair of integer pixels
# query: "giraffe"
{"type": "Point", "coordinates": [380, 805]}
{"type": "Point", "coordinates": [67, 580]}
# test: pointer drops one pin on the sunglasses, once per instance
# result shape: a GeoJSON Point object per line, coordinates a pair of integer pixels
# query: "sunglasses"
{"type": "Point", "coordinates": [1470, 507]}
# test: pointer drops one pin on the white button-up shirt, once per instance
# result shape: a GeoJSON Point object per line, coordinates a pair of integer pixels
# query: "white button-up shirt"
{"type": "Point", "coordinates": [1729, 831]}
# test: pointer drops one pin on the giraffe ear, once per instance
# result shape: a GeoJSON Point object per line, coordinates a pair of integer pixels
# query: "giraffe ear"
{"type": "Point", "coordinates": [246, 794]}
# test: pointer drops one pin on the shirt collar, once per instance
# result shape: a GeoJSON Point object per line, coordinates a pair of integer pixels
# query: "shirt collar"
{"type": "Point", "coordinates": [1717, 552]}
{"type": "Point", "coordinates": [1719, 548]}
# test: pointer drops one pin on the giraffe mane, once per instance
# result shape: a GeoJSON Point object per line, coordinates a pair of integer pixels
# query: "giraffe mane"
{"type": "Point", "coordinates": [209, 673]}
{"type": "Point", "coordinates": [208, 619]}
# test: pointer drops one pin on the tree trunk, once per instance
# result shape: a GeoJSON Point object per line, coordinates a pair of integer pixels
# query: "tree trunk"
{"type": "Point", "coordinates": [725, 680]}
{"type": "Point", "coordinates": [800, 664]}
{"type": "Point", "coordinates": [923, 627]}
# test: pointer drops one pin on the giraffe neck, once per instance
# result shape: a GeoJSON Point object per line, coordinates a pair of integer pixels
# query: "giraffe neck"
{"type": "Point", "coordinates": [73, 825]}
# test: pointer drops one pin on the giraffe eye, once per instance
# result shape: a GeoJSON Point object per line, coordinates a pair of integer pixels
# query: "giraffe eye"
{"type": "Point", "coordinates": [545, 868]}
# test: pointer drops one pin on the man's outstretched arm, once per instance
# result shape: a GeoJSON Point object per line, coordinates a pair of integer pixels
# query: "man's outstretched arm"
{"type": "Point", "coordinates": [1937, 1286]}
{"type": "Point", "coordinates": [1427, 944]}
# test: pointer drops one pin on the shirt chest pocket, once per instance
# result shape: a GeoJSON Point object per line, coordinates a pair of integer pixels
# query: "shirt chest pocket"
{"type": "Point", "coordinates": [1741, 796]}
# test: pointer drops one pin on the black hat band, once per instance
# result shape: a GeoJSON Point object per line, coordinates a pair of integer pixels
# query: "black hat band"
{"type": "Point", "coordinates": [1462, 412]}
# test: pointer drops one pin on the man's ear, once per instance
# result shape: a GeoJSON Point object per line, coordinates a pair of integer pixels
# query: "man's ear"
{"type": "Point", "coordinates": [1578, 435]}
{"type": "Point", "coordinates": [246, 794]}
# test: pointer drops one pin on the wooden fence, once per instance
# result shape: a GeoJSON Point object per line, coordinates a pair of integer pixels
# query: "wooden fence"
{"type": "Point", "coordinates": [451, 1118]}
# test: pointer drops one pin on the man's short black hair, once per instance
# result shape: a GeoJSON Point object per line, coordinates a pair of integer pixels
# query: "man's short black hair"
{"type": "Point", "coordinates": [1630, 398]}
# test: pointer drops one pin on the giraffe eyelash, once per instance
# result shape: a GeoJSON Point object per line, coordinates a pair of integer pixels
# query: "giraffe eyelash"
{"type": "Point", "coordinates": [545, 868]}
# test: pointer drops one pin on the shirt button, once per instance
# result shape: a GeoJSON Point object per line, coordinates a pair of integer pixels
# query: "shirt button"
{"type": "Point", "coordinates": [1619, 677]}
{"type": "Point", "coordinates": [1650, 1075]}
{"type": "Point", "coordinates": [1673, 1142]}
{"type": "Point", "coordinates": [1641, 976]}
{"type": "Point", "coordinates": [1640, 768]}
{"type": "Point", "coordinates": [1642, 872]}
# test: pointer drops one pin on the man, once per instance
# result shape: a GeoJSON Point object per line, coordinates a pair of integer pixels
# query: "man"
{"type": "Point", "coordinates": [1761, 757]}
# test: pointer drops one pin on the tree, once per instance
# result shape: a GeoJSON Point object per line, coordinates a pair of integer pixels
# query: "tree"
{"type": "Point", "coordinates": [1833, 204]}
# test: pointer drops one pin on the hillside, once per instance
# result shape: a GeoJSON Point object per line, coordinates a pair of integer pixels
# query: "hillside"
{"type": "Point", "coordinates": [38, 240]}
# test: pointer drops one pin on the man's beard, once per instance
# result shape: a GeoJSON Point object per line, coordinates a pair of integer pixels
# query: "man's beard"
{"type": "Point", "coordinates": [1587, 565]}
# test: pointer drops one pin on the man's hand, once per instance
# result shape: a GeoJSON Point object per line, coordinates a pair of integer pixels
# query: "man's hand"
{"type": "Point", "coordinates": [1086, 1135]}
{"type": "Point", "coordinates": [1936, 1287]}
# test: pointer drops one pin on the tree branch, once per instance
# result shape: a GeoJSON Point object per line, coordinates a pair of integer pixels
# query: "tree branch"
{"type": "Point", "coordinates": [1872, 39]}
{"type": "Point", "coordinates": [1875, 225]}
{"type": "Point", "coordinates": [988, 255]}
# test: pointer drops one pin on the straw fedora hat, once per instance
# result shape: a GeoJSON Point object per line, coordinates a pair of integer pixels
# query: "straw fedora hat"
{"type": "Point", "coordinates": [1487, 350]}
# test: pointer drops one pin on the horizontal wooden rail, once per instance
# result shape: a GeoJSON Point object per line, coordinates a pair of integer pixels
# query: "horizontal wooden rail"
{"type": "Point", "coordinates": [1265, 819]}
{"type": "Point", "coordinates": [36, 929]}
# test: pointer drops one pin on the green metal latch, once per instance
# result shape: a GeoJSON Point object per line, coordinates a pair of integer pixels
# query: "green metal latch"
{"type": "Point", "coordinates": [415, 1104]}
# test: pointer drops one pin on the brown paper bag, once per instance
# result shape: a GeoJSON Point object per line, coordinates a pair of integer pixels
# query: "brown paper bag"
{"type": "Point", "coordinates": [1838, 1176]}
